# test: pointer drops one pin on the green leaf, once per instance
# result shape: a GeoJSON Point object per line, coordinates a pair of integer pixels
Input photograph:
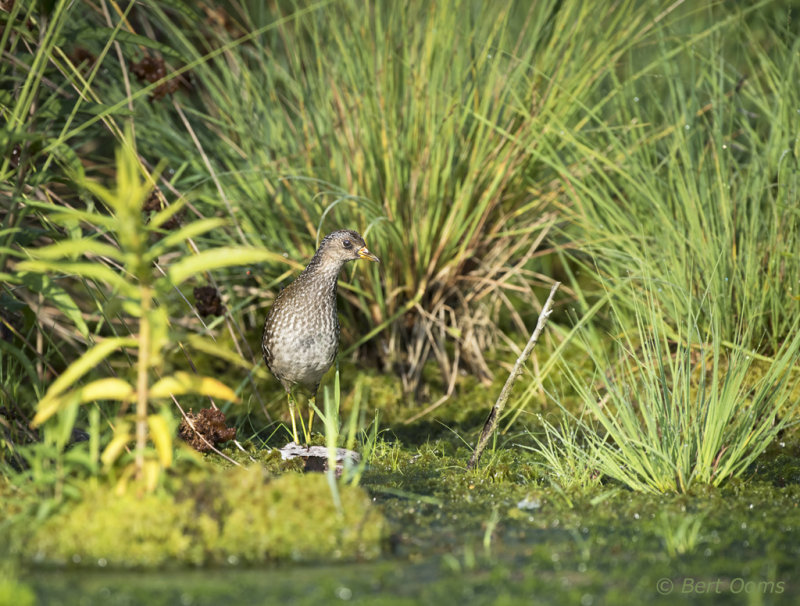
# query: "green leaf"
{"type": "Point", "coordinates": [4, 250]}
{"type": "Point", "coordinates": [110, 388]}
{"type": "Point", "coordinates": [161, 435]}
{"type": "Point", "coordinates": [103, 389]}
{"type": "Point", "coordinates": [183, 382]}
{"type": "Point", "coordinates": [193, 229]}
{"type": "Point", "coordinates": [92, 271]}
{"type": "Point", "coordinates": [94, 109]}
{"type": "Point", "coordinates": [67, 415]}
{"type": "Point", "coordinates": [73, 248]}
{"type": "Point", "coordinates": [122, 436]}
{"type": "Point", "coordinates": [69, 160]}
{"type": "Point", "coordinates": [106, 33]}
{"type": "Point", "coordinates": [162, 216]}
{"type": "Point", "coordinates": [216, 258]}
{"type": "Point", "coordinates": [65, 216]}
{"type": "Point", "coordinates": [151, 472]}
{"type": "Point", "coordinates": [49, 288]}
{"type": "Point", "coordinates": [224, 353]}
{"type": "Point", "coordinates": [47, 407]}
{"type": "Point", "coordinates": [11, 231]}
{"type": "Point", "coordinates": [75, 371]}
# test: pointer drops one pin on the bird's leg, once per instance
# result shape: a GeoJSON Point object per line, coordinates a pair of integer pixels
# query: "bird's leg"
{"type": "Point", "coordinates": [311, 404]}
{"type": "Point", "coordinates": [292, 406]}
{"type": "Point", "coordinates": [307, 428]}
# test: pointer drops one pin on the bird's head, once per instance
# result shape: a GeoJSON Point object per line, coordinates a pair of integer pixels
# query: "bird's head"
{"type": "Point", "coordinates": [344, 245]}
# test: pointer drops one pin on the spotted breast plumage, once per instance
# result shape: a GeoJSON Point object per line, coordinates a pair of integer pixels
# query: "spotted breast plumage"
{"type": "Point", "coordinates": [301, 332]}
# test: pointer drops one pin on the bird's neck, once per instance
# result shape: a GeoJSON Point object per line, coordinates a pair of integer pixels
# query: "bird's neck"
{"type": "Point", "coordinates": [322, 273]}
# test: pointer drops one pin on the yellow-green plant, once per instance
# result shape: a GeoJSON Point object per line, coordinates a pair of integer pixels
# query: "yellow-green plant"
{"type": "Point", "coordinates": [674, 408]}
{"type": "Point", "coordinates": [113, 246]}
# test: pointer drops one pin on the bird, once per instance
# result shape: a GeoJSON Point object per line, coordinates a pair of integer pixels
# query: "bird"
{"type": "Point", "coordinates": [301, 331]}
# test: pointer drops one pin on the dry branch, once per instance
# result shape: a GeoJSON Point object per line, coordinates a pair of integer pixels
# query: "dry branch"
{"type": "Point", "coordinates": [494, 415]}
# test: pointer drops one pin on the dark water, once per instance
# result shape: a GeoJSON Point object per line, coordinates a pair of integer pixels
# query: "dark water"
{"type": "Point", "coordinates": [587, 566]}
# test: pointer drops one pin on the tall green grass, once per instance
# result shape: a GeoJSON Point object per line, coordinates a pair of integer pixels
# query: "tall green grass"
{"type": "Point", "coordinates": [698, 178]}
{"type": "Point", "coordinates": [687, 209]}
{"type": "Point", "coordinates": [420, 124]}
{"type": "Point", "coordinates": [694, 184]}
{"type": "Point", "coordinates": [669, 408]}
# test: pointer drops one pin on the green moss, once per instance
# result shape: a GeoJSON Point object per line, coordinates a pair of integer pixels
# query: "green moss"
{"type": "Point", "coordinates": [224, 516]}
{"type": "Point", "coordinates": [294, 517]}
{"type": "Point", "coordinates": [14, 592]}
{"type": "Point", "coordinates": [126, 529]}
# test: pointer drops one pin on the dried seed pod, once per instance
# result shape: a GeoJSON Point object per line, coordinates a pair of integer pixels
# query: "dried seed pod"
{"type": "Point", "coordinates": [209, 429]}
{"type": "Point", "coordinates": [208, 301]}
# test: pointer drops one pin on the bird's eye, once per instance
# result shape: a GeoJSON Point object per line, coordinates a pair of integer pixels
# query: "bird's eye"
{"type": "Point", "coordinates": [347, 244]}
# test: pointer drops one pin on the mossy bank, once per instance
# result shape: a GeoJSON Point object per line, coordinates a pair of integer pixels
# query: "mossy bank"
{"type": "Point", "coordinates": [223, 517]}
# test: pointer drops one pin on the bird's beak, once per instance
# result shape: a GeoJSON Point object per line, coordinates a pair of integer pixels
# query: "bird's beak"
{"type": "Point", "coordinates": [364, 253]}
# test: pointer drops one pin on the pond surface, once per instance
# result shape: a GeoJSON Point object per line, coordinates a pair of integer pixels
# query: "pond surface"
{"type": "Point", "coordinates": [500, 542]}
{"type": "Point", "coordinates": [600, 566]}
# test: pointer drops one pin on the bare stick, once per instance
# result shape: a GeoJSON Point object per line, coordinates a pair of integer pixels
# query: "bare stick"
{"type": "Point", "coordinates": [494, 416]}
